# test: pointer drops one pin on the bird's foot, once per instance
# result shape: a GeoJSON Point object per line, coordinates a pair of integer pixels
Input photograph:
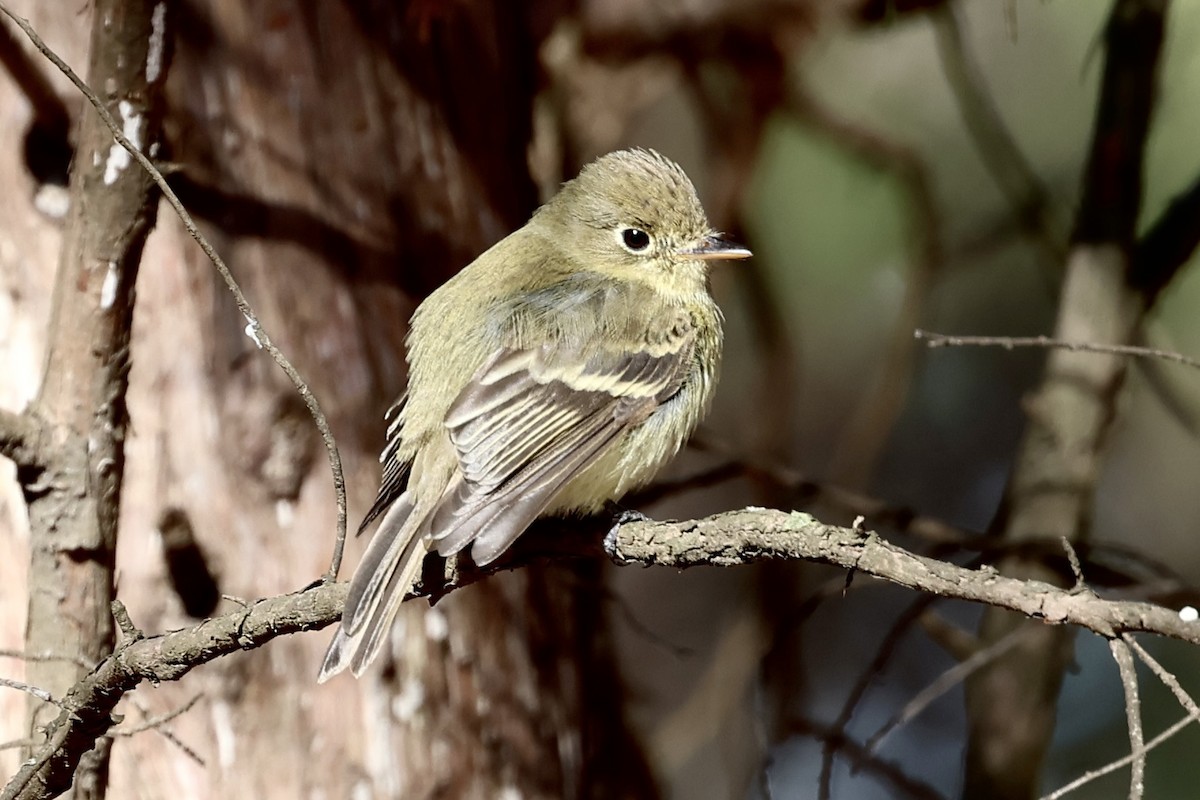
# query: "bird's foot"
{"type": "Point", "coordinates": [621, 517]}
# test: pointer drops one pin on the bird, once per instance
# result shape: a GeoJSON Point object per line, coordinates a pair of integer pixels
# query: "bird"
{"type": "Point", "coordinates": [556, 372]}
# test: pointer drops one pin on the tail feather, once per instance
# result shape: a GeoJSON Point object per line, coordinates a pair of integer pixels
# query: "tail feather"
{"type": "Point", "coordinates": [389, 569]}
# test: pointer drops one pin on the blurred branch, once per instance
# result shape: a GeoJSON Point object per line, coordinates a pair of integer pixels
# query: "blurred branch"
{"type": "Point", "coordinates": [875, 11]}
{"type": "Point", "coordinates": [948, 680]}
{"type": "Point", "coordinates": [883, 655]}
{"type": "Point", "coordinates": [880, 405]}
{"type": "Point", "coordinates": [896, 780]}
{"type": "Point", "coordinates": [1050, 495]}
{"type": "Point", "coordinates": [1112, 187]}
{"type": "Point", "coordinates": [997, 147]}
{"type": "Point", "coordinates": [1009, 342]}
{"type": "Point", "coordinates": [1168, 245]}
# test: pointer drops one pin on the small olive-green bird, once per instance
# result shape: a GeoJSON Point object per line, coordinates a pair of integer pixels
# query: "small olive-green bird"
{"type": "Point", "coordinates": [558, 371]}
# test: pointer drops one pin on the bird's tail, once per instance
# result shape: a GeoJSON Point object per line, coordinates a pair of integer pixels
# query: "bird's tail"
{"type": "Point", "coordinates": [389, 569]}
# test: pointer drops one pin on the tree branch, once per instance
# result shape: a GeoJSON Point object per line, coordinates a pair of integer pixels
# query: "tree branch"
{"type": "Point", "coordinates": [732, 538]}
{"type": "Point", "coordinates": [1050, 495]}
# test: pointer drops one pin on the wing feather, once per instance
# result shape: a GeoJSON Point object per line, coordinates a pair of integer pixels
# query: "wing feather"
{"type": "Point", "coordinates": [395, 471]}
{"type": "Point", "coordinates": [530, 421]}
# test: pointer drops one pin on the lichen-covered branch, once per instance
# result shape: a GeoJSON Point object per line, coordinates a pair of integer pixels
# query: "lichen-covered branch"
{"type": "Point", "coordinates": [732, 538]}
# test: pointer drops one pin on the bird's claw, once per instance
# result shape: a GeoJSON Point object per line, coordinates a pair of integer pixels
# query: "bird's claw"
{"type": "Point", "coordinates": [623, 517]}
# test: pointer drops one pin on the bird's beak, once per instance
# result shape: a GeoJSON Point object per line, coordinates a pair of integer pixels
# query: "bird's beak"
{"type": "Point", "coordinates": [714, 248]}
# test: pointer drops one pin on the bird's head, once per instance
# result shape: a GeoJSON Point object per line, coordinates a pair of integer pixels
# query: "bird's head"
{"type": "Point", "coordinates": [635, 214]}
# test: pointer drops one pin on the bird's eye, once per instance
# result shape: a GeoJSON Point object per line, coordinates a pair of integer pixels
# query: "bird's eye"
{"type": "Point", "coordinates": [635, 240]}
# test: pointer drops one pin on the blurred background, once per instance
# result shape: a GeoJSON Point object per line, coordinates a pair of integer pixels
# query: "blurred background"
{"type": "Point", "coordinates": [893, 165]}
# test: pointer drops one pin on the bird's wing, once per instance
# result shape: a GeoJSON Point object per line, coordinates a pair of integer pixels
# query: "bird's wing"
{"type": "Point", "coordinates": [395, 470]}
{"type": "Point", "coordinates": [530, 420]}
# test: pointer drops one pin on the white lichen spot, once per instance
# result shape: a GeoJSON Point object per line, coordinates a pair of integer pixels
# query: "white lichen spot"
{"type": "Point", "coordinates": [1189, 614]}
{"type": "Point", "coordinates": [108, 289]}
{"type": "Point", "coordinates": [406, 704]}
{"type": "Point", "coordinates": [509, 793]}
{"type": "Point", "coordinates": [361, 791]}
{"type": "Point", "coordinates": [285, 513]}
{"type": "Point", "coordinates": [252, 332]}
{"type": "Point", "coordinates": [437, 627]}
{"type": "Point", "coordinates": [118, 156]}
{"type": "Point", "coordinates": [154, 52]}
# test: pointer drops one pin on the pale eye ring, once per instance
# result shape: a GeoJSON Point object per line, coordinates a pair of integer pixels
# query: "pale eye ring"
{"type": "Point", "coordinates": [635, 240]}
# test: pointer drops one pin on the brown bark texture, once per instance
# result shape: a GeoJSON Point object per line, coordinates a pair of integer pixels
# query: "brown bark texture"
{"type": "Point", "coordinates": [74, 497]}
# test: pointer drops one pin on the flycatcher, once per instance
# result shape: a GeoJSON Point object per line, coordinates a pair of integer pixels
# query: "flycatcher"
{"type": "Point", "coordinates": [555, 373]}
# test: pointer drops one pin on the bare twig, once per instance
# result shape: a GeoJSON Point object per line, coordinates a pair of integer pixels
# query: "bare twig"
{"type": "Point", "coordinates": [34, 691]}
{"type": "Point", "coordinates": [1113, 766]}
{"type": "Point", "coordinates": [1138, 753]}
{"type": "Point", "coordinates": [1133, 716]}
{"type": "Point", "coordinates": [883, 655]}
{"type": "Point", "coordinates": [159, 725]}
{"type": "Point", "coordinates": [890, 775]}
{"type": "Point", "coordinates": [1168, 245]}
{"type": "Point", "coordinates": [1169, 680]}
{"type": "Point", "coordinates": [1009, 342]}
{"type": "Point", "coordinates": [23, 656]}
{"type": "Point", "coordinates": [158, 720]}
{"type": "Point", "coordinates": [254, 328]}
{"type": "Point", "coordinates": [944, 683]}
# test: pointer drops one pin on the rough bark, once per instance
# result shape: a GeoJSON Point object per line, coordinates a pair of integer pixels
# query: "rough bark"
{"type": "Point", "coordinates": [74, 494]}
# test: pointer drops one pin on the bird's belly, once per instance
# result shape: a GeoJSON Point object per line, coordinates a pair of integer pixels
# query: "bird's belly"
{"type": "Point", "coordinates": [630, 462]}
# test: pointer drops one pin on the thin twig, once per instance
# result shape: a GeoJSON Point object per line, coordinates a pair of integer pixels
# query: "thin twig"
{"type": "Point", "coordinates": [1073, 560]}
{"type": "Point", "coordinates": [890, 775]}
{"type": "Point", "coordinates": [1113, 766]}
{"type": "Point", "coordinates": [35, 691]}
{"type": "Point", "coordinates": [158, 725]}
{"type": "Point", "coordinates": [883, 656]}
{"type": "Point", "coordinates": [1169, 680]}
{"type": "Point", "coordinates": [254, 328]}
{"type": "Point", "coordinates": [944, 683]}
{"type": "Point", "coordinates": [1009, 342]}
{"type": "Point", "coordinates": [1133, 716]}
{"type": "Point", "coordinates": [156, 721]}
{"type": "Point", "coordinates": [24, 656]}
